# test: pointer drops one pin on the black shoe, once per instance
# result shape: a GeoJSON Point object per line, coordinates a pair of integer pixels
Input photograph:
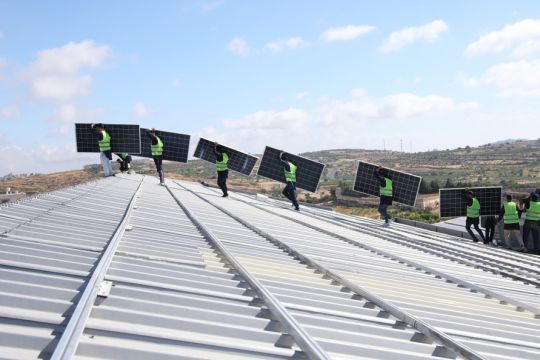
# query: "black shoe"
{"type": "Point", "coordinates": [225, 195]}
{"type": "Point", "coordinates": [297, 208]}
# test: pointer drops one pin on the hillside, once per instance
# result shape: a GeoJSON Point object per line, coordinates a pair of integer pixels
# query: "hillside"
{"type": "Point", "coordinates": [514, 164]}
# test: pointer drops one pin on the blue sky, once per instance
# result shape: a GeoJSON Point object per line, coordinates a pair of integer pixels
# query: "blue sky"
{"type": "Point", "coordinates": [302, 75]}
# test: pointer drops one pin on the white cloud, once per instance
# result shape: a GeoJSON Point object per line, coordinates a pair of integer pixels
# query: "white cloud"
{"type": "Point", "coordinates": [175, 83]}
{"type": "Point", "coordinates": [41, 158]}
{"type": "Point", "coordinates": [56, 73]}
{"type": "Point", "coordinates": [238, 46]}
{"type": "Point", "coordinates": [207, 6]}
{"type": "Point", "coordinates": [425, 33]}
{"type": "Point", "coordinates": [518, 78]}
{"type": "Point", "coordinates": [522, 36]}
{"type": "Point", "coordinates": [68, 114]}
{"type": "Point", "coordinates": [345, 33]}
{"type": "Point", "coordinates": [358, 122]}
{"type": "Point", "coordinates": [301, 95]}
{"type": "Point", "coordinates": [10, 112]}
{"type": "Point", "coordinates": [290, 118]}
{"type": "Point", "coordinates": [61, 88]}
{"type": "Point", "coordinates": [140, 111]}
{"type": "Point", "coordinates": [290, 43]}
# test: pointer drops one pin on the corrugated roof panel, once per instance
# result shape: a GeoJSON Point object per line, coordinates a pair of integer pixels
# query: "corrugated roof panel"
{"type": "Point", "coordinates": [307, 293]}
{"type": "Point", "coordinates": [44, 268]}
{"type": "Point", "coordinates": [171, 294]}
{"type": "Point", "coordinates": [430, 303]}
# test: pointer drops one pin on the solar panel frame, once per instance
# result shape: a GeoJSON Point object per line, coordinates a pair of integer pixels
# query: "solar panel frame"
{"type": "Point", "coordinates": [175, 145]}
{"type": "Point", "coordinates": [124, 138]}
{"type": "Point", "coordinates": [238, 161]}
{"type": "Point", "coordinates": [452, 204]}
{"type": "Point", "coordinates": [365, 182]}
{"type": "Point", "coordinates": [308, 173]}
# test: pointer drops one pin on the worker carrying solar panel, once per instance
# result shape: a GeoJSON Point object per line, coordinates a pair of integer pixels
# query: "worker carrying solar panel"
{"type": "Point", "coordinates": [157, 152]}
{"type": "Point", "coordinates": [473, 215]}
{"type": "Point", "coordinates": [510, 214]}
{"type": "Point", "coordinates": [386, 194]}
{"type": "Point", "coordinates": [104, 142]}
{"type": "Point", "coordinates": [222, 167]}
{"type": "Point", "coordinates": [124, 159]}
{"type": "Point", "coordinates": [531, 227]}
{"type": "Point", "coordinates": [289, 170]}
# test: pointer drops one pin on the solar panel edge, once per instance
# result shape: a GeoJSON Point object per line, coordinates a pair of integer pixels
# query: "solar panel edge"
{"type": "Point", "coordinates": [300, 183]}
{"type": "Point", "coordinates": [250, 161]}
{"type": "Point", "coordinates": [375, 193]}
{"type": "Point", "coordinates": [491, 207]}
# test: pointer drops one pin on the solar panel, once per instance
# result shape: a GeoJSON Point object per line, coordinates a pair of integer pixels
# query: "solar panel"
{"type": "Point", "coordinates": [124, 138]}
{"type": "Point", "coordinates": [405, 186]}
{"type": "Point", "coordinates": [238, 161]}
{"type": "Point", "coordinates": [308, 172]}
{"type": "Point", "coordinates": [175, 146]}
{"type": "Point", "coordinates": [452, 203]}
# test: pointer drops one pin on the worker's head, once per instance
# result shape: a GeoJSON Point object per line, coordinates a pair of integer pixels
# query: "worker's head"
{"type": "Point", "coordinates": [534, 197]}
{"type": "Point", "coordinates": [508, 197]}
{"type": "Point", "coordinates": [469, 193]}
{"type": "Point", "coordinates": [220, 148]}
{"type": "Point", "coordinates": [153, 130]}
{"type": "Point", "coordinates": [99, 126]}
{"type": "Point", "coordinates": [538, 192]}
{"type": "Point", "coordinates": [284, 157]}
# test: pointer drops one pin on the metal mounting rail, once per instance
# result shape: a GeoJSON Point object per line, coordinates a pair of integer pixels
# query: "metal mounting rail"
{"type": "Point", "coordinates": [500, 253]}
{"type": "Point", "coordinates": [46, 211]}
{"type": "Point", "coordinates": [69, 341]}
{"type": "Point", "coordinates": [395, 311]}
{"type": "Point", "coordinates": [520, 306]}
{"type": "Point", "coordinates": [308, 345]}
{"type": "Point", "coordinates": [441, 251]}
{"type": "Point", "coordinates": [487, 265]}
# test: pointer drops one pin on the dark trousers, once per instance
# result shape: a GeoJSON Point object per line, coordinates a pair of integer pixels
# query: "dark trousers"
{"type": "Point", "coordinates": [531, 231]}
{"type": "Point", "coordinates": [222, 180]}
{"type": "Point", "coordinates": [158, 160]}
{"type": "Point", "coordinates": [288, 192]}
{"type": "Point", "coordinates": [475, 222]}
{"type": "Point", "coordinates": [383, 210]}
{"type": "Point", "coordinates": [490, 233]}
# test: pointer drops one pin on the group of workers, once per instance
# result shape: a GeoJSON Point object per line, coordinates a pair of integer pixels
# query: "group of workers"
{"type": "Point", "coordinates": [510, 213]}
{"type": "Point", "coordinates": [157, 146]}
{"type": "Point", "coordinates": [527, 239]}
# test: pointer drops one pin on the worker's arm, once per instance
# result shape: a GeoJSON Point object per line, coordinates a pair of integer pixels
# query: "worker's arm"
{"type": "Point", "coordinates": [219, 155]}
{"type": "Point", "coordinates": [152, 137]}
{"type": "Point", "coordinates": [99, 133]}
{"type": "Point", "coordinates": [501, 214]}
{"type": "Point", "coordinates": [382, 180]}
{"type": "Point", "coordinates": [285, 165]}
{"type": "Point", "coordinates": [468, 200]}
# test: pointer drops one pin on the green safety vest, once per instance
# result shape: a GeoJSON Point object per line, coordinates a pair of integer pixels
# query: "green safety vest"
{"type": "Point", "coordinates": [533, 212]}
{"type": "Point", "coordinates": [386, 190]}
{"type": "Point", "coordinates": [290, 176]}
{"type": "Point", "coordinates": [157, 149]}
{"type": "Point", "coordinates": [222, 165]}
{"type": "Point", "coordinates": [473, 211]}
{"type": "Point", "coordinates": [510, 213]}
{"type": "Point", "coordinates": [105, 144]}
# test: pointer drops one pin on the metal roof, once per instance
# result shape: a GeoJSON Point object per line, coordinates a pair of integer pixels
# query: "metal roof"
{"type": "Point", "coordinates": [125, 268]}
